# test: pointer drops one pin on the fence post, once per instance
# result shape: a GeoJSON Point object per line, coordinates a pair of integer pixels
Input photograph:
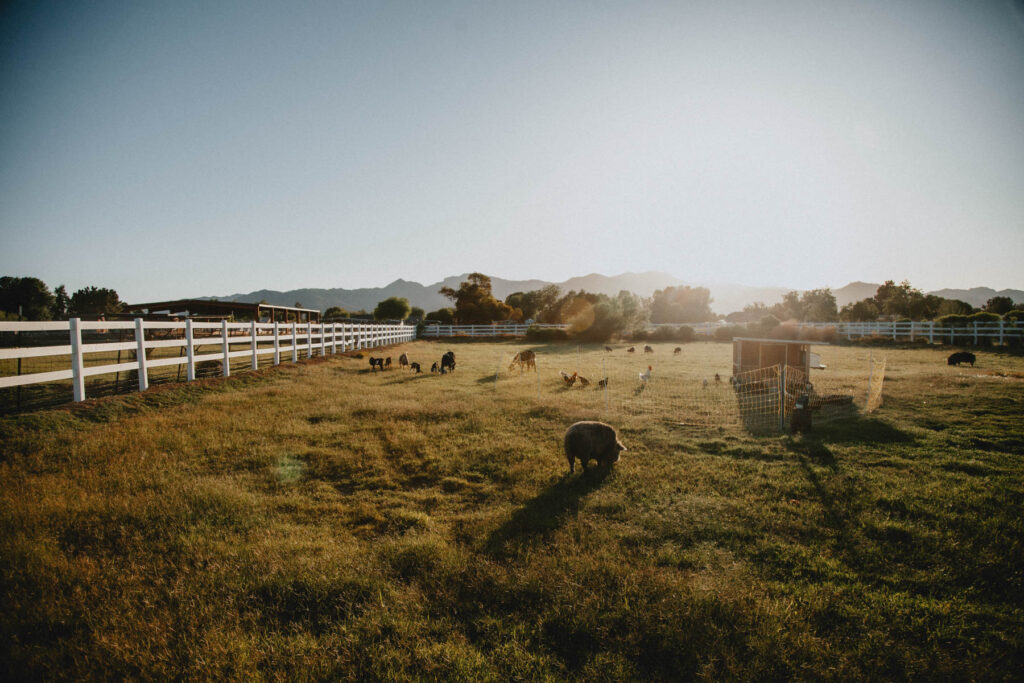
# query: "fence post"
{"type": "Point", "coordinates": [277, 343]}
{"type": "Point", "coordinates": [224, 347]}
{"type": "Point", "coordinates": [295, 342]}
{"type": "Point", "coordinates": [140, 344]}
{"type": "Point", "coordinates": [77, 361]}
{"type": "Point", "coordinates": [782, 397]}
{"type": "Point", "coordinates": [190, 352]}
{"type": "Point", "coordinates": [1001, 321]}
{"type": "Point", "coordinates": [975, 332]}
{"type": "Point", "coordinates": [309, 339]}
{"type": "Point", "coordinates": [894, 326]}
{"type": "Point", "coordinates": [334, 338]}
{"type": "Point", "coordinates": [255, 356]}
{"type": "Point", "coordinates": [323, 339]}
{"type": "Point", "coordinates": [931, 331]}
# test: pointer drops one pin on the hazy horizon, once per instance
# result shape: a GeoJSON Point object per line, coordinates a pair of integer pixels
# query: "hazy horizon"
{"type": "Point", "coordinates": [172, 150]}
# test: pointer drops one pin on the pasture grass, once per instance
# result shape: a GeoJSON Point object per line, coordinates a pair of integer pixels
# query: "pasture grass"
{"type": "Point", "coordinates": [322, 521]}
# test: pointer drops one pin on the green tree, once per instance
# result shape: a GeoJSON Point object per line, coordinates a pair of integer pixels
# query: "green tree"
{"type": "Point", "coordinates": [818, 305]}
{"type": "Point", "coordinates": [860, 311]}
{"type": "Point", "coordinates": [335, 312]}
{"type": "Point", "coordinates": [30, 294]}
{"type": "Point", "coordinates": [681, 305]}
{"type": "Point", "coordinates": [416, 313]}
{"type": "Point", "coordinates": [95, 301]}
{"type": "Point", "coordinates": [999, 305]}
{"type": "Point", "coordinates": [532, 303]}
{"type": "Point", "coordinates": [474, 302]}
{"type": "Point", "coordinates": [61, 303]}
{"type": "Point", "coordinates": [392, 308]}
{"type": "Point", "coordinates": [953, 307]}
{"type": "Point", "coordinates": [445, 316]}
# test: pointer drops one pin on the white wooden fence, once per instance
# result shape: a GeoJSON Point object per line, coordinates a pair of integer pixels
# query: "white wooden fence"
{"type": "Point", "coordinates": [264, 342]}
{"type": "Point", "coordinates": [999, 332]}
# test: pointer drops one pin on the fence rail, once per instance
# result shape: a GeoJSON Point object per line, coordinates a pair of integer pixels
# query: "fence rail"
{"type": "Point", "coordinates": [250, 340]}
{"type": "Point", "coordinates": [999, 332]}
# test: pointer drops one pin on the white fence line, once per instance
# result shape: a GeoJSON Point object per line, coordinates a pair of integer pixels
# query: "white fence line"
{"type": "Point", "coordinates": [305, 340]}
{"type": "Point", "coordinates": [1001, 331]}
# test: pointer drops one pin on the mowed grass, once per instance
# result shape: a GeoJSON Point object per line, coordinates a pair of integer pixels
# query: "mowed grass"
{"type": "Point", "coordinates": [319, 521]}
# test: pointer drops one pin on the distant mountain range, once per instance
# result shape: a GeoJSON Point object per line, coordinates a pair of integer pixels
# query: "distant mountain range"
{"type": "Point", "coordinates": [726, 298]}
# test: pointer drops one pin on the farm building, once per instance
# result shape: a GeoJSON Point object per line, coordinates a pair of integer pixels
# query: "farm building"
{"type": "Point", "coordinates": [203, 308]}
{"type": "Point", "coordinates": [757, 354]}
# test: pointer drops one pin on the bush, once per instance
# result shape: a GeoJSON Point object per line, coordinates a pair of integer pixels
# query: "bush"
{"type": "Point", "coordinates": [726, 333]}
{"type": "Point", "coordinates": [952, 320]}
{"type": "Point", "coordinates": [983, 317]}
{"type": "Point", "coordinates": [683, 333]}
{"type": "Point", "coordinates": [546, 334]}
{"type": "Point", "coordinates": [1016, 315]}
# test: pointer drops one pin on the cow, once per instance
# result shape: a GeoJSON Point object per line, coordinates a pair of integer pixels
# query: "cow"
{"type": "Point", "coordinates": [961, 357]}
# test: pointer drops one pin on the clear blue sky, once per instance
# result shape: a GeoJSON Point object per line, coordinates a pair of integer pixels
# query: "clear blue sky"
{"type": "Point", "coordinates": [175, 149]}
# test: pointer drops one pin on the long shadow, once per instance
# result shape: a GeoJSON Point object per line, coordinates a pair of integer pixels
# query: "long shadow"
{"type": "Point", "coordinates": [856, 429]}
{"type": "Point", "coordinates": [545, 513]}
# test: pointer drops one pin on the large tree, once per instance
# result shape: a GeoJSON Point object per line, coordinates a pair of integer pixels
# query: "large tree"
{"type": "Point", "coordinates": [392, 308]}
{"type": "Point", "coordinates": [95, 301]}
{"type": "Point", "coordinates": [682, 305]}
{"type": "Point", "coordinates": [532, 303]}
{"type": "Point", "coordinates": [474, 302]}
{"type": "Point", "coordinates": [999, 305]}
{"type": "Point", "coordinates": [30, 295]}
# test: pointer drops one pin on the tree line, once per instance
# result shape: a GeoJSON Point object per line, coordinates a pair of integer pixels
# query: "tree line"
{"type": "Point", "coordinates": [29, 298]}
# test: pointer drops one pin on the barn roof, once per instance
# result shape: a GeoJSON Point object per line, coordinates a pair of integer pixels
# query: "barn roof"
{"type": "Point", "coordinates": [803, 342]}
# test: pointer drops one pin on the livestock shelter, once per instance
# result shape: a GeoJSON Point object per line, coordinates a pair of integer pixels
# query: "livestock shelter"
{"type": "Point", "coordinates": [757, 354]}
{"type": "Point", "coordinates": [204, 308]}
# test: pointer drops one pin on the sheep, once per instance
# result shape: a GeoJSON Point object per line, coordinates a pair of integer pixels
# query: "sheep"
{"type": "Point", "coordinates": [586, 441]}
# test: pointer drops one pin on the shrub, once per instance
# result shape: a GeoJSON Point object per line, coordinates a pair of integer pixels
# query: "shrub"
{"type": "Point", "coordinates": [728, 332]}
{"type": "Point", "coordinates": [1016, 315]}
{"type": "Point", "coordinates": [545, 334]}
{"type": "Point", "coordinates": [983, 317]}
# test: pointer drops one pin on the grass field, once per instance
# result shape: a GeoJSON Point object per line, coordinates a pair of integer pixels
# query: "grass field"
{"type": "Point", "coordinates": [319, 521]}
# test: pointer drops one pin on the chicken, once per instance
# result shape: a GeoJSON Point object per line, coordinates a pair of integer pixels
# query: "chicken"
{"type": "Point", "coordinates": [645, 377]}
{"type": "Point", "coordinates": [602, 383]}
{"type": "Point", "coordinates": [584, 382]}
{"type": "Point", "coordinates": [567, 378]}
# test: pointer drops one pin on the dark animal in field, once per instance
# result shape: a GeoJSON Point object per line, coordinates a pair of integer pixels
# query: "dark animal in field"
{"type": "Point", "coordinates": [525, 360]}
{"type": "Point", "coordinates": [415, 367]}
{"type": "Point", "coordinates": [961, 357]}
{"type": "Point", "coordinates": [448, 362]}
{"type": "Point", "coordinates": [433, 369]}
{"type": "Point", "coordinates": [631, 349]}
{"type": "Point", "coordinates": [584, 382]}
{"type": "Point", "coordinates": [648, 349]}
{"type": "Point", "coordinates": [376, 363]}
{"type": "Point", "coordinates": [678, 349]}
{"type": "Point", "coordinates": [586, 441]}
{"type": "Point", "coordinates": [602, 383]}
{"type": "Point", "coordinates": [403, 361]}
{"type": "Point", "coordinates": [718, 378]}
{"type": "Point", "coordinates": [387, 362]}
{"type": "Point", "coordinates": [607, 348]}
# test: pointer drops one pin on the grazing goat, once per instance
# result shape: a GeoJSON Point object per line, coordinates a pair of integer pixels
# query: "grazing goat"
{"type": "Point", "coordinates": [376, 363]}
{"type": "Point", "coordinates": [415, 367]}
{"type": "Point", "coordinates": [678, 349]}
{"type": "Point", "coordinates": [524, 359]}
{"type": "Point", "coordinates": [433, 369]}
{"type": "Point", "coordinates": [961, 357]}
{"type": "Point", "coordinates": [607, 348]}
{"type": "Point", "coordinates": [448, 362]}
{"type": "Point", "coordinates": [387, 362]}
{"type": "Point", "coordinates": [586, 441]}
{"type": "Point", "coordinates": [648, 349]}
{"type": "Point", "coordinates": [631, 349]}
{"type": "Point", "coordinates": [403, 361]}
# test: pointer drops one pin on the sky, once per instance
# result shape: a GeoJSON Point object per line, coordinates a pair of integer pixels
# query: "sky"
{"type": "Point", "coordinates": [180, 149]}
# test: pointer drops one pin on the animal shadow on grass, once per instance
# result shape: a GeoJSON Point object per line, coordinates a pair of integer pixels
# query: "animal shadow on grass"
{"type": "Point", "coordinates": [546, 512]}
{"type": "Point", "coordinates": [864, 430]}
